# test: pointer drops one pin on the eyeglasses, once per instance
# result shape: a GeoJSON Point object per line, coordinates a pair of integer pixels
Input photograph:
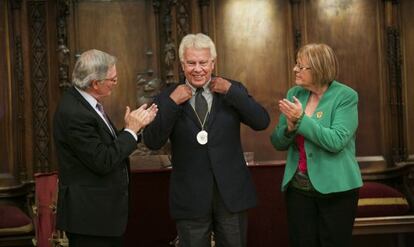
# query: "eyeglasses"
{"type": "Point", "coordinates": [300, 67]}
{"type": "Point", "coordinates": [113, 79]}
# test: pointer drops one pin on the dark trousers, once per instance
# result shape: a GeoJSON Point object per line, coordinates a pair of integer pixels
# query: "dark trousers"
{"type": "Point", "coordinates": [317, 220]}
{"type": "Point", "coordinates": [229, 228]}
{"type": "Point", "coordinates": [80, 240]}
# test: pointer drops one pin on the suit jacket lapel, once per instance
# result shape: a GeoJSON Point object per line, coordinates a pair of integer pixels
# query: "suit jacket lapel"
{"type": "Point", "coordinates": [189, 111]}
{"type": "Point", "coordinates": [213, 111]}
{"type": "Point", "coordinates": [85, 103]}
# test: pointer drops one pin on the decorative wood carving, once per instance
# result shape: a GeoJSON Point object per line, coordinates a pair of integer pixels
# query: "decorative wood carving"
{"type": "Point", "coordinates": [62, 38]}
{"type": "Point", "coordinates": [297, 35]}
{"type": "Point", "coordinates": [183, 18]}
{"type": "Point", "coordinates": [147, 89]}
{"type": "Point", "coordinates": [156, 6]}
{"type": "Point", "coordinates": [39, 82]}
{"type": "Point", "coordinates": [148, 86]}
{"type": "Point", "coordinates": [205, 17]}
{"type": "Point", "coordinates": [19, 134]}
{"type": "Point", "coordinates": [155, 62]}
{"type": "Point", "coordinates": [398, 142]}
{"type": "Point", "coordinates": [170, 49]}
{"type": "Point", "coordinates": [183, 26]}
{"type": "Point", "coordinates": [396, 99]}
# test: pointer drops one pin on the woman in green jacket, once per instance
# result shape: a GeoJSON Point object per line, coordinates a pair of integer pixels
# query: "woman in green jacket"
{"type": "Point", "coordinates": [317, 125]}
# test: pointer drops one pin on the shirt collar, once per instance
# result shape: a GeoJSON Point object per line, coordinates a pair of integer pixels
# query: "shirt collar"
{"type": "Point", "coordinates": [205, 87]}
{"type": "Point", "coordinates": [89, 98]}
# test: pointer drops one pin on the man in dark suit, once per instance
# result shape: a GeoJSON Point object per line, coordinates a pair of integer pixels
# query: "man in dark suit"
{"type": "Point", "coordinates": [210, 185]}
{"type": "Point", "coordinates": [93, 155]}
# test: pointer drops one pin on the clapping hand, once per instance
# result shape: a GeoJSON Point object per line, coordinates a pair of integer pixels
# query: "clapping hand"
{"type": "Point", "coordinates": [139, 118]}
{"type": "Point", "coordinates": [292, 110]}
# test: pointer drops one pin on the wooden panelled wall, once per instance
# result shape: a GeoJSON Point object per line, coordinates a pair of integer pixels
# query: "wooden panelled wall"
{"type": "Point", "coordinates": [256, 43]}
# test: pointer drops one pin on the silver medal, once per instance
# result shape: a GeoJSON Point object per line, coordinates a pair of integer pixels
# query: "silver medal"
{"type": "Point", "coordinates": [202, 137]}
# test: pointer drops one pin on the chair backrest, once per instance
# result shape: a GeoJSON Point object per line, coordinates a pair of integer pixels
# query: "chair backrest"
{"type": "Point", "coordinates": [46, 193]}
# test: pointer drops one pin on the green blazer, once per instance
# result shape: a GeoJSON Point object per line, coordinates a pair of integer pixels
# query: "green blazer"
{"type": "Point", "coordinates": [329, 140]}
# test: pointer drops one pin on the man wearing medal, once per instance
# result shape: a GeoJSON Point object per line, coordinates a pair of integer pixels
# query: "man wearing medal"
{"type": "Point", "coordinates": [210, 185]}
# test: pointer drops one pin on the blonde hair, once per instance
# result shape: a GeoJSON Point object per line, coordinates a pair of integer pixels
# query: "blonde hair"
{"type": "Point", "coordinates": [322, 60]}
{"type": "Point", "coordinates": [197, 41]}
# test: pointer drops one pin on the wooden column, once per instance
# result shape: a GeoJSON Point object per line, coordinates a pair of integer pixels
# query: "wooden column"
{"type": "Point", "coordinates": [205, 16]}
{"type": "Point", "coordinates": [62, 38]}
{"type": "Point", "coordinates": [297, 35]}
{"type": "Point", "coordinates": [396, 100]}
{"type": "Point", "coordinates": [18, 92]}
{"type": "Point", "coordinates": [39, 80]}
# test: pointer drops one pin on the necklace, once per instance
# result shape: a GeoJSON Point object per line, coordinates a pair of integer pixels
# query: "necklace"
{"type": "Point", "coordinates": [202, 135]}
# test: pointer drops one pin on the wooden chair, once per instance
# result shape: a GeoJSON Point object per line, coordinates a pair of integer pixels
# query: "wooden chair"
{"type": "Point", "coordinates": [16, 228]}
{"type": "Point", "coordinates": [44, 212]}
{"type": "Point", "coordinates": [397, 177]}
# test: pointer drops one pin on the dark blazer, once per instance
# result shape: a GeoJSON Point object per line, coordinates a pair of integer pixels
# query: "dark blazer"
{"type": "Point", "coordinates": [93, 166]}
{"type": "Point", "coordinates": [196, 166]}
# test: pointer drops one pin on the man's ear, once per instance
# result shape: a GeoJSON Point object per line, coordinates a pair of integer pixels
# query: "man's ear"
{"type": "Point", "coordinates": [94, 84]}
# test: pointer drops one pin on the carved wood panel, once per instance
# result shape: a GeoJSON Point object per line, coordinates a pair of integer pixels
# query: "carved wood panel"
{"type": "Point", "coordinates": [62, 38]}
{"type": "Point", "coordinates": [123, 29]}
{"type": "Point", "coordinates": [252, 47]}
{"type": "Point", "coordinates": [39, 70]}
{"type": "Point", "coordinates": [6, 150]}
{"type": "Point", "coordinates": [407, 34]}
{"type": "Point", "coordinates": [255, 40]}
{"type": "Point", "coordinates": [351, 29]}
{"type": "Point", "coordinates": [18, 92]}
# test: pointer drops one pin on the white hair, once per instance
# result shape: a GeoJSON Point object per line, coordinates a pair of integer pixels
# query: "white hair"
{"type": "Point", "coordinates": [91, 65]}
{"type": "Point", "coordinates": [197, 41]}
